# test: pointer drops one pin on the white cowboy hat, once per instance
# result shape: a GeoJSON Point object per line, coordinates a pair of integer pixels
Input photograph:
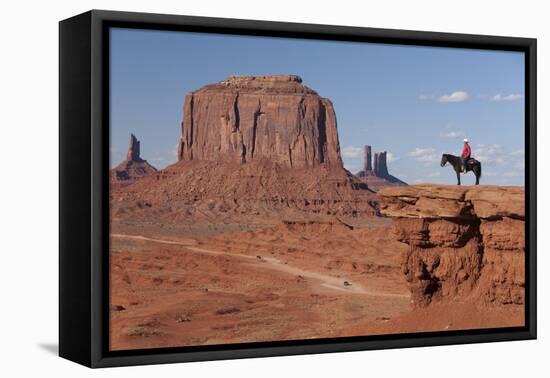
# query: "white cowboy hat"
{"type": "Point", "coordinates": [466, 140]}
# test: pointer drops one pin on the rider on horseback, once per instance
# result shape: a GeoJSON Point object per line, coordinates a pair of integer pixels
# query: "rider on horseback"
{"type": "Point", "coordinates": [466, 154]}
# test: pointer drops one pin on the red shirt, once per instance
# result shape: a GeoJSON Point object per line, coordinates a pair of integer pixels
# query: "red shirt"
{"type": "Point", "coordinates": [466, 151]}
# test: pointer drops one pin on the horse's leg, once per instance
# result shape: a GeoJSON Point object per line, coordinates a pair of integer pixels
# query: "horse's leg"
{"type": "Point", "coordinates": [475, 169]}
{"type": "Point", "coordinates": [458, 177]}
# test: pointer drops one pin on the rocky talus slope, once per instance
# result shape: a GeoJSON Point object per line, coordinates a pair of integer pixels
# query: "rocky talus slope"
{"type": "Point", "coordinates": [464, 242]}
{"type": "Point", "coordinates": [221, 192]}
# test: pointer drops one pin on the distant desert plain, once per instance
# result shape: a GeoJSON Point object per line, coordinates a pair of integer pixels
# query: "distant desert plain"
{"type": "Point", "coordinates": [258, 233]}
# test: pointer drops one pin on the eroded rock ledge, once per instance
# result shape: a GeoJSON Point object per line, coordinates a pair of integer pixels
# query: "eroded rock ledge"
{"type": "Point", "coordinates": [464, 241]}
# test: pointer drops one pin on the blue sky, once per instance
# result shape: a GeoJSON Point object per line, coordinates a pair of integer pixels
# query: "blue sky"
{"type": "Point", "coordinates": [414, 102]}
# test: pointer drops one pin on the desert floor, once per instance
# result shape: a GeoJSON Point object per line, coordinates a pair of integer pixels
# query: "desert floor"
{"type": "Point", "coordinates": [208, 284]}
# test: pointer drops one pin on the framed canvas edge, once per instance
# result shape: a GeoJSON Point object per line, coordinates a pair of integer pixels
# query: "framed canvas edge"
{"type": "Point", "coordinates": [99, 139]}
{"type": "Point", "coordinates": [75, 273]}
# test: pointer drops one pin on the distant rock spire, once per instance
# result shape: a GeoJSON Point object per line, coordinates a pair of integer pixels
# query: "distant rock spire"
{"type": "Point", "coordinates": [131, 169]}
{"type": "Point", "coordinates": [133, 149]}
{"type": "Point", "coordinates": [375, 170]}
{"type": "Point", "coordinates": [380, 164]}
{"type": "Point", "coordinates": [368, 158]}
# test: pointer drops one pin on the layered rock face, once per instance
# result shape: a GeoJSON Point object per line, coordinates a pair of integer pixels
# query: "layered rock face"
{"type": "Point", "coordinates": [131, 169]}
{"type": "Point", "coordinates": [376, 175]}
{"type": "Point", "coordinates": [464, 242]}
{"type": "Point", "coordinates": [248, 118]}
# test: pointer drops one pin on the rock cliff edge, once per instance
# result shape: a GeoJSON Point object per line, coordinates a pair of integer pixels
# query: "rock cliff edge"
{"type": "Point", "coordinates": [464, 242]}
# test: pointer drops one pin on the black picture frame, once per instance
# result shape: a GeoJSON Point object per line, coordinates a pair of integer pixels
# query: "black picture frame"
{"type": "Point", "coordinates": [83, 195]}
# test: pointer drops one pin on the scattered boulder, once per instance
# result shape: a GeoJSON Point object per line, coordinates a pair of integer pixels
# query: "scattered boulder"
{"type": "Point", "coordinates": [183, 318]}
{"type": "Point", "coordinates": [228, 310]}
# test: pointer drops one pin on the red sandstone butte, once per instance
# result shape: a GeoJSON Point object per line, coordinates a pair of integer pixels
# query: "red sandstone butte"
{"type": "Point", "coordinates": [247, 118]}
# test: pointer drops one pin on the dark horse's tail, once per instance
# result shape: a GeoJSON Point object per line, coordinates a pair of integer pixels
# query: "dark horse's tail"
{"type": "Point", "coordinates": [479, 170]}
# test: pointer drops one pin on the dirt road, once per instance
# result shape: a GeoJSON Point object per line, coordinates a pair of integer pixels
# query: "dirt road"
{"type": "Point", "coordinates": [324, 280]}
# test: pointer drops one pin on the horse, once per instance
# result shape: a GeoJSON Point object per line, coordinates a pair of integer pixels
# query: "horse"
{"type": "Point", "coordinates": [472, 165]}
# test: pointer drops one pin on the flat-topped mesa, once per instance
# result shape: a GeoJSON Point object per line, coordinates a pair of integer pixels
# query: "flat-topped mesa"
{"type": "Point", "coordinates": [464, 242]}
{"type": "Point", "coordinates": [246, 118]}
